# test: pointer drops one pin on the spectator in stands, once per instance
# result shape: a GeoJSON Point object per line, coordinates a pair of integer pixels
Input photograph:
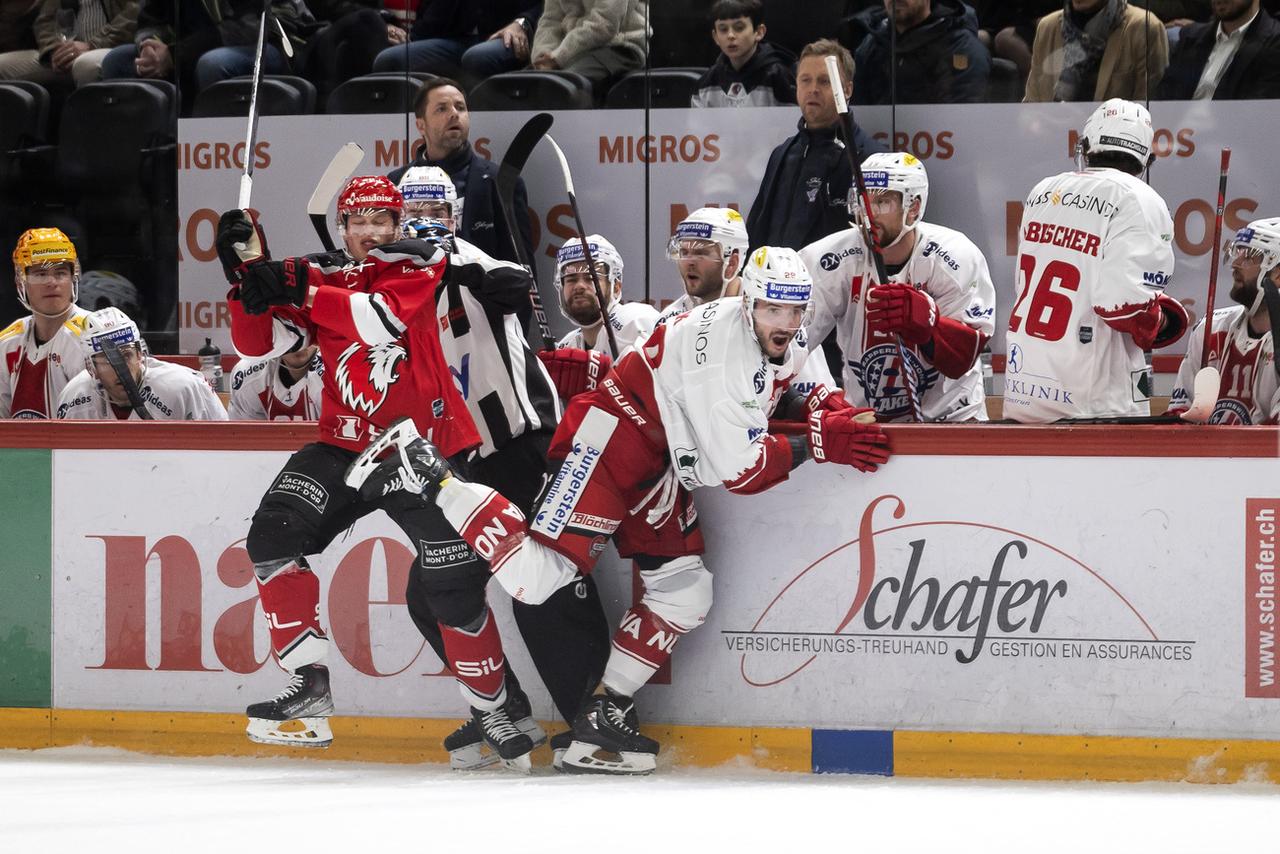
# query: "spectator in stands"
{"type": "Point", "coordinates": [935, 52]}
{"type": "Point", "coordinates": [72, 38]}
{"type": "Point", "coordinates": [468, 40]}
{"type": "Point", "coordinates": [16, 17]}
{"type": "Point", "coordinates": [445, 125]}
{"type": "Point", "coordinates": [749, 72]}
{"type": "Point", "coordinates": [599, 39]}
{"type": "Point", "coordinates": [1008, 27]}
{"type": "Point", "coordinates": [1235, 55]}
{"type": "Point", "coordinates": [803, 193]}
{"type": "Point", "coordinates": [1094, 50]}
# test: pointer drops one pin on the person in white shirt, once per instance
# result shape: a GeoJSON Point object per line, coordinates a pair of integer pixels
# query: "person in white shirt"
{"type": "Point", "coordinates": [937, 311]}
{"type": "Point", "coordinates": [1094, 256]}
{"type": "Point", "coordinates": [39, 354]}
{"type": "Point", "coordinates": [288, 387]}
{"type": "Point", "coordinates": [1242, 339]}
{"type": "Point", "coordinates": [167, 391]}
{"type": "Point", "coordinates": [1235, 55]}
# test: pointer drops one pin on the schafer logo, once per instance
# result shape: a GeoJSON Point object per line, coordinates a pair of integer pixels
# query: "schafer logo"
{"type": "Point", "coordinates": [943, 589]}
{"type": "Point", "coordinates": [1260, 598]}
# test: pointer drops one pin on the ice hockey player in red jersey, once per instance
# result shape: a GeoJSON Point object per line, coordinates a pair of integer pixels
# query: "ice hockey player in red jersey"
{"type": "Point", "coordinates": [370, 309]}
{"type": "Point", "coordinates": [688, 407]}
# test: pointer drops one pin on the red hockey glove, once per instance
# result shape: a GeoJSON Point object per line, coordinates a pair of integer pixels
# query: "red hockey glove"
{"type": "Point", "coordinates": [902, 309]}
{"type": "Point", "coordinates": [268, 283]}
{"type": "Point", "coordinates": [574, 370]}
{"type": "Point", "coordinates": [1176, 321]}
{"type": "Point", "coordinates": [825, 398]}
{"type": "Point", "coordinates": [240, 240]}
{"type": "Point", "coordinates": [851, 437]}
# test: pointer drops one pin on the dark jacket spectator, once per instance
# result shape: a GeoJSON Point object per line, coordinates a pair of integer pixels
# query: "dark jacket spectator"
{"type": "Point", "coordinates": [938, 60]}
{"type": "Point", "coordinates": [438, 19]}
{"type": "Point", "coordinates": [768, 79]}
{"type": "Point", "coordinates": [16, 17]}
{"type": "Point", "coordinates": [1254, 71]}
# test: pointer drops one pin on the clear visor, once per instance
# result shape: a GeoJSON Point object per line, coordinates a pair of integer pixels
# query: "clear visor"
{"type": "Point", "coordinates": [694, 249]}
{"type": "Point", "coordinates": [784, 317]}
{"type": "Point", "coordinates": [429, 209]}
{"type": "Point", "coordinates": [1241, 252]}
{"type": "Point", "coordinates": [97, 363]}
{"type": "Point", "coordinates": [576, 272]}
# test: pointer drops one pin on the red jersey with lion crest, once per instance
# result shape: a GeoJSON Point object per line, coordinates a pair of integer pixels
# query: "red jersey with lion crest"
{"type": "Point", "coordinates": [375, 324]}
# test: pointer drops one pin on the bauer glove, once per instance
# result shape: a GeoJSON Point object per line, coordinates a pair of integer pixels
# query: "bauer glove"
{"type": "Point", "coordinates": [268, 283]}
{"type": "Point", "coordinates": [851, 437]}
{"type": "Point", "coordinates": [574, 370]}
{"type": "Point", "coordinates": [903, 310]}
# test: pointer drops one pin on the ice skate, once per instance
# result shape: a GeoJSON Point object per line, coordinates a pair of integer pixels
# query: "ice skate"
{"type": "Point", "coordinates": [607, 740]}
{"type": "Point", "coordinates": [560, 743]}
{"type": "Point", "coordinates": [305, 700]}
{"type": "Point", "coordinates": [468, 751]}
{"type": "Point", "coordinates": [511, 746]}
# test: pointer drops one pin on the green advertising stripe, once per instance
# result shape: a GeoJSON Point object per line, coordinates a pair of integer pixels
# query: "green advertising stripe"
{"type": "Point", "coordinates": [25, 558]}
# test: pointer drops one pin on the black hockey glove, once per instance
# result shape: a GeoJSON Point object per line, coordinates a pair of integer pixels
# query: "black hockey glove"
{"type": "Point", "coordinates": [240, 240]}
{"type": "Point", "coordinates": [268, 283]}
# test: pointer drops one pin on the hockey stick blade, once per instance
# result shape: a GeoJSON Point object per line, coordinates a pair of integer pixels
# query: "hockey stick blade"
{"type": "Point", "coordinates": [1204, 395]}
{"type": "Point", "coordinates": [335, 175]}
{"type": "Point", "coordinates": [116, 361]}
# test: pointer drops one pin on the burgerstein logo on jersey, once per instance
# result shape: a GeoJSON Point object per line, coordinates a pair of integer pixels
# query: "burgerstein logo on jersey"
{"type": "Point", "coordinates": [365, 375]}
{"type": "Point", "coordinates": [953, 589]}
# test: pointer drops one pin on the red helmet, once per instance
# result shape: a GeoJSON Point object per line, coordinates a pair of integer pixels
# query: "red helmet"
{"type": "Point", "coordinates": [368, 193]}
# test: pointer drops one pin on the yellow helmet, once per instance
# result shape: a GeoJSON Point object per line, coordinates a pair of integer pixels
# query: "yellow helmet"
{"type": "Point", "coordinates": [38, 247]}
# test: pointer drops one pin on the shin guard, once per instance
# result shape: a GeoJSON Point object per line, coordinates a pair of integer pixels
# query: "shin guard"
{"type": "Point", "coordinates": [477, 662]}
{"type": "Point", "coordinates": [642, 644]}
{"type": "Point", "coordinates": [290, 599]}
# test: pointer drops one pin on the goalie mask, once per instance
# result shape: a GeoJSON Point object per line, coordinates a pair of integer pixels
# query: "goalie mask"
{"type": "Point", "coordinates": [1118, 126]}
{"type": "Point", "coordinates": [571, 262]}
{"type": "Point", "coordinates": [43, 249]}
{"type": "Point", "coordinates": [776, 291]}
{"type": "Point", "coordinates": [894, 172]}
{"type": "Point", "coordinates": [1260, 241]}
{"type": "Point", "coordinates": [429, 194]}
{"type": "Point", "coordinates": [719, 231]}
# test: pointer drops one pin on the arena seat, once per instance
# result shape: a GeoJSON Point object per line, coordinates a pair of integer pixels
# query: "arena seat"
{"type": "Point", "coordinates": [1005, 85]}
{"type": "Point", "coordinates": [668, 87]}
{"type": "Point", "coordinates": [532, 90]}
{"type": "Point", "coordinates": [277, 96]}
{"type": "Point", "coordinates": [370, 94]}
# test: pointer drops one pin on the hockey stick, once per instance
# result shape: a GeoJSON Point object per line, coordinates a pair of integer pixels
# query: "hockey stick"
{"type": "Point", "coordinates": [1208, 380]}
{"type": "Point", "coordinates": [508, 174]}
{"type": "Point", "coordinates": [331, 181]}
{"type": "Point", "coordinates": [586, 250]}
{"type": "Point", "coordinates": [842, 107]}
{"type": "Point", "coordinates": [251, 135]}
{"type": "Point", "coordinates": [116, 361]}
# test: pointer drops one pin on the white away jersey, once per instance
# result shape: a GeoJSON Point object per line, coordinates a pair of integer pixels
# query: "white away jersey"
{"type": "Point", "coordinates": [1094, 246]}
{"type": "Point", "coordinates": [170, 392]}
{"type": "Point", "coordinates": [1248, 392]}
{"type": "Point", "coordinates": [32, 377]}
{"type": "Point", "coordinates": [944, 264]}
{"type": "Point", "coordinates": [630, 321]}
{"type": "Point", "coordinates": [714, 390]}
{"type": "Point", "coordinates": [259, 392]}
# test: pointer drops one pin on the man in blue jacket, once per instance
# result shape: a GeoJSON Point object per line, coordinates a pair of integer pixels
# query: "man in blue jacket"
{"type": "Point", "coordinates": [935, 46]}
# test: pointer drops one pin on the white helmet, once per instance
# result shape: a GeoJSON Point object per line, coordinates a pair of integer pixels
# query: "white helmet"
{"type": "Point", "coordinates": [723, 226]}
{"type": "Point", "coordinates": [1261, 239]}
{"type": "Point", "coordinates": [1119, 126]}
{"type": "Point", "coordinates": [111, 324]}
{"type": "Point", "coordinates": [429, 184]}
{"type": "Point", "coordinates": [898, 172]}
{"type": "Point", "coordinates": [776, 274]}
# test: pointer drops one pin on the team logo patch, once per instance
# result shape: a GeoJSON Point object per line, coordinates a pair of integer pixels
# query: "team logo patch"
{"type": "Point", "coordinates": [441, 554]}
{"type": "Point", "coordinates": [1086, 334]}
{"type": "Point", "coordinates": [302, 487]}
{"type": "Point", "coordinates": [884, 381]}
{"type": "Point", "coordinates": [437, 407]}
{"type": "Point", "coordinates": [364, 376]}
{"type": "Point", "coordinates": [829, 261]}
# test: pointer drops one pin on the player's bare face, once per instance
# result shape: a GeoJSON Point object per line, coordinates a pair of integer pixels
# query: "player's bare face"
{"type": "Point", "coordinates": [886, 216]}
{"type": "Point", "coordinates": [299, 359]}
{"type": "Point", "coordinates": [1245, 267]}
{"type": "Point", "coordinates": [49, 288]}
{"type": "Point", "coordinates": [737, 39]}
{"type": "Point", "coordinates": [365, 231]}
{"type": "Point", "coordinates": [445, 123]}
{"type": "Point", "coordinates": [701, 266]}
{"type": "Point", "coordinates": [110, 381]}
{"type": "Point", "coordinates": [578, 292]}
{"type": "Point", "coordinates": [813, 93]}
{"type": "Point", "coordinates": [775, 326]}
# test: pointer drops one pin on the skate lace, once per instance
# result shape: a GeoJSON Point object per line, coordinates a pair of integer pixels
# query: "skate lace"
{"type": "Point", "coordinates": [499, 727]}
{"type": "Point", "coordinates": [290, 690]}
{"type": "Point", "coordinates": [618, 718]}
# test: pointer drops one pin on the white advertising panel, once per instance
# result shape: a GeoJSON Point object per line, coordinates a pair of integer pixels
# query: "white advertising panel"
{"type": "Point", "coordinates": [982, 160]}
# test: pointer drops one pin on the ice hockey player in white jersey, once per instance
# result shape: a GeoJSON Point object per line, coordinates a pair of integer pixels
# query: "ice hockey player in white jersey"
{"type": "Point", "coordinates": [937, 310]}
{"type": "Point", "coordinates": [689, 407]}
{"type": "Point", "coordinates": [288, 387]}
{"type": "Point", "coordinates": [1242, 342]}
{"type": "Point", "coordinates": [1094, 256]}
{"type": "Point", "coordinates": [39, 354]}
{"type": "Point", "coordinates": [583, 357]}
{"type": "Point", "coordinates": [169, 392]}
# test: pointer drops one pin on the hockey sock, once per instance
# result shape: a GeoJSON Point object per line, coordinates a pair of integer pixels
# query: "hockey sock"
{"type": "Point", "coordinates": [290, 598]}
{"type": "Point", "coordinates": [476, 659]}
{"type": "Point", "coordinates": [490, 524]}
{"type": "Point", "coordinates": [642, 644]}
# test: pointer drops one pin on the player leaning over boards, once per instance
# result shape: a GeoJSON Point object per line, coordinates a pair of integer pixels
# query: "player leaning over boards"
{"type": "Point", "coordinates": [370, 309]}
{"type": "Point", "coordinates": [937, 310]}
{"type": "Point", "coordinates": [688, 407]}
{"type": "Point", "coordinates": [1094, 258]}
{"type": "Point", "coordinates": [40, 354]}
{"type": "Point", "coordinates": [1242, 343]}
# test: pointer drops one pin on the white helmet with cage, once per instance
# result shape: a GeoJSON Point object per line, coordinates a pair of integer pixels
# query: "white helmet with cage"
{"type": "Point", "coordinates": [776, 274]}
{"type": "Point", "coordinates": [724, 227]}
{"type": "Point", "coordinates": [602, 252]}
{"type": "Point", "coordinates": [1119, 126]}
{"type": "Point", "coordinates": [1259, 239]}
{"type": "Point", "coordinates": [429, 185]}
{"type": "Point", "coordinates": [111, 324]}
{"type": "Point", "coordinates": [898, 172]}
